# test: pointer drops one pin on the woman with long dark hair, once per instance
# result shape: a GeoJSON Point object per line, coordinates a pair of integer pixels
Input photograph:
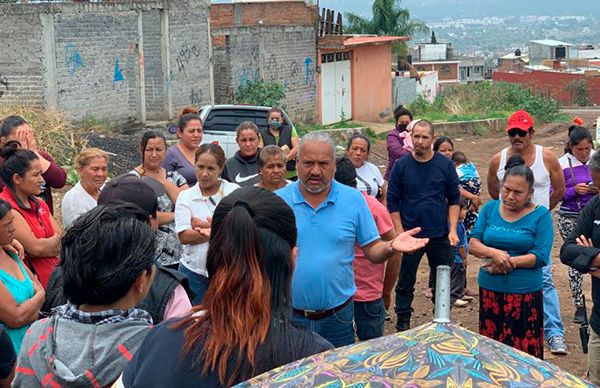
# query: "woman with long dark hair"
{"type": "Point", "coordinates": [579, 191]}
{"type": "Point", "coordinates": [17, 128]}
{"type": "Point", "coordinates": [35, 227]}
{"type": "Point", "coordinates": [244, 325]}
{"type": "Point", "coordinates": [153, 148]}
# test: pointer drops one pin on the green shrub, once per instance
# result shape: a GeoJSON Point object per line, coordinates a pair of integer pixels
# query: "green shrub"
{"type": "Point", "coordinates": [485, 100]}
{"type": "Point", "coordinates": [259, 92]}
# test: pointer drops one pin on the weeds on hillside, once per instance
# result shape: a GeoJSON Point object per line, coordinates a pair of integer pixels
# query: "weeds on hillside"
{"type": "Point", "coordinates": [52, 132]}
{"type": "Point", "coordinates": [485, 100]}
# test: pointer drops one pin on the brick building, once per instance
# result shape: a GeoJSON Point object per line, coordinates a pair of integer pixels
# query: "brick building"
{"type": "Point", "coordinates": [558, 85]}
{"type": "Point", "coordinates": [273, 41]}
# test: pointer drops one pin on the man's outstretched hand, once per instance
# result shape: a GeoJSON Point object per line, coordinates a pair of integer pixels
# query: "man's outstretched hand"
{"type": "Point", "coordinates": [407, 243]}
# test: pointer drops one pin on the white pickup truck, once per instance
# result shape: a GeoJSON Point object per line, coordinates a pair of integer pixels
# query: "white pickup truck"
{"type": "Point", "coordinates": [220, 121]}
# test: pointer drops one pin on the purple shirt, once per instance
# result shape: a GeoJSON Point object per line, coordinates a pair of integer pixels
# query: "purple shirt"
{"type": "Point", "coordinates": [575, 172]}
{"type": "Point", "coordinates": [395, 148]}
{"type": "Point", "coordinates": [176, 161]}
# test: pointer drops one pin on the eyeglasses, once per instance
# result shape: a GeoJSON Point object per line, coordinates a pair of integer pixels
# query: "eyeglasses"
{"type": "Point", "coordinates": [516, 131]}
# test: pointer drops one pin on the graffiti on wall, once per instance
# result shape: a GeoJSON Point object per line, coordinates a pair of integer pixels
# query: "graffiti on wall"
{"type": "Point", "coordinates": [196, 96]}
{"type": "Point", "coordinates": [307, 67]}
{"type": "Point", "coordinates": [3, 85]}
{"type": "Point", "coordinates": [289, 74]}
{"type": "Point", "coordinates": [118, 74]}
{"type": "Point", "coordinates": [73, 60]}
{"type": "Point", "coordinates": [185, 55]}
{"type": "Point", "coordinates": [248, 74]}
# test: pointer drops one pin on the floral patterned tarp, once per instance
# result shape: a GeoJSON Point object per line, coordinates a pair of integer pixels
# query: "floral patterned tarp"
{"type": "Point", "coordinates": [431, 355]}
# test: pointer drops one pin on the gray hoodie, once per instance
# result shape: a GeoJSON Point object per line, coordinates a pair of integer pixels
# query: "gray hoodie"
{"type": "Point", "coordinates": [69, 353]}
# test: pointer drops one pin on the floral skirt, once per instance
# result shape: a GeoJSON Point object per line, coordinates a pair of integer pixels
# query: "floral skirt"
{"type": "Point", "coordinates": [513, 319]}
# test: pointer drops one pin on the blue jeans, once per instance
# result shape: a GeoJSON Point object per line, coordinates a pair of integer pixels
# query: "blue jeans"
{"type": "Point", "coordinates": [369, 318]}
{"type": "Point", "coordinates": [553, 325]}
{"type": "Point", "coordinates": [338, 328]}
{"type": "Point", "coordinates": [198, 284]}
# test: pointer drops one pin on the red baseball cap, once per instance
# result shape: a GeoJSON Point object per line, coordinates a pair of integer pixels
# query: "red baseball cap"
{"type": "Point", "coordinates": [521, 120]}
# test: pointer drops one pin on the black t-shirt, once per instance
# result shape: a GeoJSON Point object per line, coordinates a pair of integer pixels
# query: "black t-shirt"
{"type": "Point", "coordinates": [159, 361]}
{"type": "Point", "coordinates": [8, 358]}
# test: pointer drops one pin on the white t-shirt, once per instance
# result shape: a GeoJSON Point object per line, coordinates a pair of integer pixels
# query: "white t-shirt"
{"type": "Point", "coordinates": [76, 202]}
{"type": "Point", "coordinates": [369, 179]}
{"type": "Point", "coordinates": [191, 203]}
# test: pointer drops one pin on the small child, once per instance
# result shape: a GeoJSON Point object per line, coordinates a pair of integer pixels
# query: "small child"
{"type": "Point", "coordinates": [468, 180]}
{"type": "Point", "coordinates": [458, 272]}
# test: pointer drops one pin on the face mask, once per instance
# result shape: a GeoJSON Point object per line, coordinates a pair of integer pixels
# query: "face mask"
{"type": "Point", "coordinates": [401, 127]}
{"type": "Point", "coordinates": [275, 124]}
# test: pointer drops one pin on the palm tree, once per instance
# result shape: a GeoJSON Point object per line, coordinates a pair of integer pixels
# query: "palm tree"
{"type": "Point", "coordinates": [389, 18]}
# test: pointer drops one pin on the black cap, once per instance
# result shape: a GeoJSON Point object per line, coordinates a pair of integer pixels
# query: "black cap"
{"type": "Point", "coordinates": [133, 189]}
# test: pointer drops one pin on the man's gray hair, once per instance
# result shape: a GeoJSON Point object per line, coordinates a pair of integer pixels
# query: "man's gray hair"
{"type": "Point", "coordinates": [594, 163]}
{"type": "Point", "coordinates": [317, 137]}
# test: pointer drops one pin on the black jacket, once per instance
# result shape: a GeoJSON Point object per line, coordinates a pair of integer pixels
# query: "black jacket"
{"type": "Point", "coordinates": [155, 302]}
{"type": "Point", "coordinates": [285, 138]}
{"type": "Point", "coordinates": [581, 258]}
{"type": "Point", "coordinates": [160, 361]}
{"type": "Point", "coordinates": [242, 171]}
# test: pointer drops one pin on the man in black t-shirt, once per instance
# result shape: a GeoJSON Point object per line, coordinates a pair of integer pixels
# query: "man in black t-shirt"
{"type": "Point", "coordinates": [423, 192]}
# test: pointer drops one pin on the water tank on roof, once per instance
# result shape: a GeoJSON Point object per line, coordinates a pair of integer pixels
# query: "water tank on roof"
{"type": "Point", "coordinates": [517, 52]}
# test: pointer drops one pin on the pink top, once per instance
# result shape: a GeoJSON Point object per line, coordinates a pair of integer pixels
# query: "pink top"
{"type": "Point", "coordinates": [178, 305]}
{"type": "Point", "coordinates": [369, 276]}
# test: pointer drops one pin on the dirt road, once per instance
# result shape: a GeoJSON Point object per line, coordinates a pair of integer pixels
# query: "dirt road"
{"type": "Point", "coordinates": [480, 150]}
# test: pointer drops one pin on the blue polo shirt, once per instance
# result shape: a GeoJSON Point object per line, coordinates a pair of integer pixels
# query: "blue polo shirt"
{"type": "Point", "coordinates": [323, 277]}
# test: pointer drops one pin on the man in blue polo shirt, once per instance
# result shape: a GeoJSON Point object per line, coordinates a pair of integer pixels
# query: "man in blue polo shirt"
{"type": "Point", "coordinates": [330, 218]}
{"type": "Point", "coordinates": [423, 191]}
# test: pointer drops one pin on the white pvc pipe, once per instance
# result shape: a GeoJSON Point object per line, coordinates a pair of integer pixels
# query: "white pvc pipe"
{"type": "Point", "coordinates": [442, 295]}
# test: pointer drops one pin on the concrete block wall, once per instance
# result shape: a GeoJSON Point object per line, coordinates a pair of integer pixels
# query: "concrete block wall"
{"type": "Point", "coordinates": [153, 65]}
{"type": "Point", "coordinates": [96, 64]}
{"type": "Point", "coordinates": [21, 61]}
{"type": "Point", "coordinates": [189, 45]}
{"type": "Point", "coordinates": [273, 41]}
{"type": "Point", "coordinates": [113, 61]}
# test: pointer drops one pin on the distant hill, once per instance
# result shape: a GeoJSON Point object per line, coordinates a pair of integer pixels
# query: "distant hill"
{"type": "Point", "coordinates": [431, 10]}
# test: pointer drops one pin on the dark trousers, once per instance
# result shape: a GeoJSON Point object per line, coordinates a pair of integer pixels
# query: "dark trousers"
{"type": "Point", "coordinates": [458, 274]}
{"type": "Point", "coordinates": [337, 328]}
{"type": "Point", "coordinates": [439, 252]}
{"type": "Point", "coordinates": [369, 318]}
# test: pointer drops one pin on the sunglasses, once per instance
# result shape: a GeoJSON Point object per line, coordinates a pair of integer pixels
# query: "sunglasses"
{"type": "Point", "coordinates": [515, 131]}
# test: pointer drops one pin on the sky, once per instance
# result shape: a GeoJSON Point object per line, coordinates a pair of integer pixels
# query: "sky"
{"type": "Point", "coordinates": [438, 9]}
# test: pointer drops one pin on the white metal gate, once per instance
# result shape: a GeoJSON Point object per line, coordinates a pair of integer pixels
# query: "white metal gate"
{"type": "Point", "coordinates": [336, 89]}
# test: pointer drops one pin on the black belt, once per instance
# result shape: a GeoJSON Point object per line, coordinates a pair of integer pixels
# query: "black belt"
{"type": "Point", "coordinates": [320, 314]}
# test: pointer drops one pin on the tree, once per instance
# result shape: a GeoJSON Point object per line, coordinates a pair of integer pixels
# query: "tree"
{"type": "Point", "coordinates": [433, 38]}
{"type": "Point", "coordinates": [389, 18]}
